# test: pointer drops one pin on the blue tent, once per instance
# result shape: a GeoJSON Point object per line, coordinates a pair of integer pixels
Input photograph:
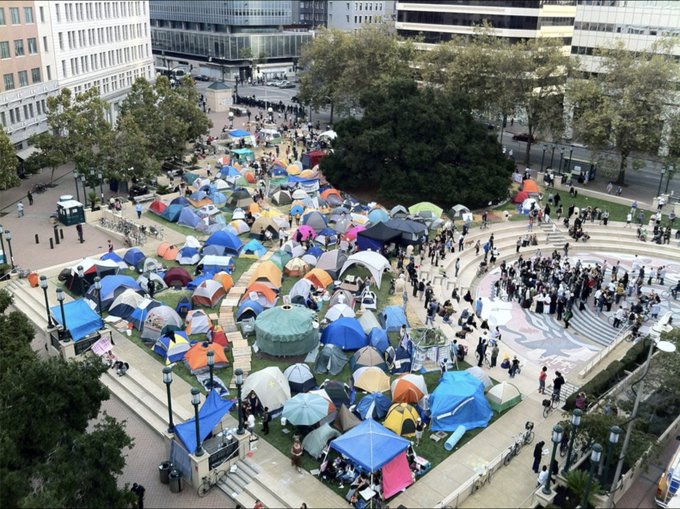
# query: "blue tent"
{"type": "Point", "coordinates": [188, 218]}
{"type": "Point", "coordinates": [378, 339]}
{"type": "Point", "coordinates": [180, 200]}
{"type": "Point", "coordinates": [173, 212]}
{"type": "Point", "coordinates": [315, 251]}
{"type": "Point", "coordinates": [370, 445]}
{"type": "Point", "coordinates": [296, 209]}
{"type": "Point", "coordinates": [238, 133]}
{"type": "Point", "coordinates": [277, 171]}
{"type": "Point", "coordinates": [248, 309]}
{"type": "Point", "coordinates": [138, 316]}
{"type": "Point", "coordinates": [230, 242]}
{"type": "Point", "coordinates": [217, 198]}
{"type": "Point", "coordinates": [392, 318]}
{"type": "Point", "coordinates": [373, 406]}
{"type": "Point", "coordinates": [198, 195]}
{"type": "Point", "coordinates": [188, 256]}
{"type": "Point", "coordinates": [346, 333]}
{"type": "Point", "coordinates": [112, 286]}
{"type": "Point", "coordinates": [133, 256]}
{"type": "Point", "coordinates": [81, 319]}
{"type": "Point", "coordinates": [254, 247]}
{"type": "Point", "coordinates": [229, 171]}
{"type": "Point", "coordinates": [193, 284]}
{"type": "Point", "coordinates": [459, 400]}
{"type": "Point", "coordinates": [210, 414]}
{"type": "Point", "coordinates": [172, 346]}
{"type": "Point", "coordinates": [115, 258]}
{"type": "Point", "coordinates": [402, 361]}
{"type": "Point", "coordinates": [378, 216]}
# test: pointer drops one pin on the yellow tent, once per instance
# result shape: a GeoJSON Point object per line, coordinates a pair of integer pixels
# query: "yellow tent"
{"type": "Point", "coordinates": [293, 169]}
{"type": "Point", "coordinates": [371, 379]}
{"type": "Point", "coordinates": [401, 418]}
{"type": "Point", "coordinates": [296, 267]}
{"type": "Point", "coordinates": [268, 272]}
{"type": "Point", "coordinates": [319, 278]}
{"type": "Point", "coordinates": [224, 279]}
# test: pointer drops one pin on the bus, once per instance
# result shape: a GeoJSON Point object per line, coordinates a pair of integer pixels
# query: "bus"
{"type": "Point", "coordinates": [667, 488]}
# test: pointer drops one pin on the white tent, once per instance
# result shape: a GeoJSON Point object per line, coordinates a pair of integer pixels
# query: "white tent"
{"type": "Point", "coordinates": [368, 321]}
{"type": "Point", "coordinates": [158, 318]}
{"type": "Point", "coordinates": [339, 311]}
{"type": "Point", "coordinates": [144, 279]}
{"type": "Point", "coordinates": [296, 250]}
{"type": "Point", "coordinates": [480, 375]}
{"type": "Point", "coordinates": [100, 266]}
{"type": "Point", "coordinates": [503, 396]}
{"type": "Point", "coordinates": [191, 241]}
{"type": "Point", "coordinates": [221, 184]}
{"type": "Point", "coordinates": [151, 265]}
{"type": "Point", "coordinates": [270, 385]}
{"type": "Point", "coordinates": [198, 322]}
{"type": "Point", "coordinates": [372, 260]}
{"type": "Point", "coordinates": [303, 288]}
{"type": "Point", "coordinates": [329, 134]}
{"type": "Point", "coordinates": [126, 301]}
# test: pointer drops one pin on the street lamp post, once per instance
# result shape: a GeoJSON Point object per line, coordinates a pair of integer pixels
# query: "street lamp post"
{"type": "Point", "coordinates": [83, 179]}
{"type": "Point", "coordinates": [663, 172]}
{"type": "Point", "coordinates": [571, 152]}
{"type": "Point", "coordinates": [595, 454]}
{"type": "Point", "coordinates": [545, 147]}
{"type": "Point", "coordinates": [231, 120]}
{"type": "Point", "coordinates": [561, 158]}
{"type": "Point", "coordinates": [270, 111]}
{"type": "Point", "coordinates": [43, 285]}
{"type": "Point", "coordinates": [238, 373]}
{"type": "Point", "coordinates": [195, 400]}
{"type": "Point", "coordinates": [76, 176]}
{"type": "Point", "coordinates": [98, 287]}
{"type": "Point", "coordinates": [81, 278]}
{"type": "Point", "coordinates": [60, 298]}
{"type": "Point", "coordinates": [552, 155]}
{"type": "Point", "coordinates": [8, 238]}
{"type": "Point", "coordinates": [662, 325]}
{"type": "Point", "coordinates": [167, 380]}
{"type": "Point", "coordinates": [556, 440]}
{"type": "Point", "coordinates": [575, 423]}
{"type": "Point", "coordinates": [211, 366]}
{"type": "Point", "coordinates": [614, 434]}
{"type": "Point", "coordinates": [101, 185]}
{"type": "Point", "coordinates": [2, 242]}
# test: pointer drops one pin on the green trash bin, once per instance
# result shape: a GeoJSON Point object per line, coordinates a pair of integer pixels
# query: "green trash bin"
{"type": "Point", "coordinates": [164, 471]}
{"type": "Point", "coordinates": [175, 480]}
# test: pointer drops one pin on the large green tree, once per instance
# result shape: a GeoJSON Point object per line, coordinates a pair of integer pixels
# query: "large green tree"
{"type": "Point", "coordinates": [339, 67]}
{"type": "Point", "coordinates": [623, 106]}
{"type": "Point", "coordinates": [48, 458]}
{"type": "Point", "coordinates": [413, 145]}
{"type": "Point", "coordinates": [8, 163]}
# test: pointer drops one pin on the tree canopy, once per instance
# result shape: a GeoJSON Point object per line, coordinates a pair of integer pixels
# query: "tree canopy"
{"type": "Point", "coordinates": [8, 163]}
{"type": "Point", "coordinates": [416, 145]}
{"type": "Point", "coordinates": [48, 458]}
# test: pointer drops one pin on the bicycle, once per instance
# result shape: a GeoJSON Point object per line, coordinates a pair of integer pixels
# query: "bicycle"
{"type": "Point", "coordinates": [524, 438]}
{"type": "Point", "coordinates": [214, 477]}
{"type": "Point", "coordinates": [550, 404]}
{"type": "Point", "coordinates": [484, 477]}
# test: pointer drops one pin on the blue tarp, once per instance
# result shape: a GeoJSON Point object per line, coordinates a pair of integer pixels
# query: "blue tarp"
{"type": "Point", "coordinates": [230, 242]}
{"type": "Point", "coordinates": [392, 318]}
{"type": "Point", "coordinates": [81, 320]}
{"type": "Point", "coordinates": [373, 406]}
{"type": "Point", "coordinates": [370, 445]}
{"type": "Point", "coordinates": [378, 339]}
{"type": "Point", "coordinates": [346, 333]}
{"type": "Point", "coordinates": [188, 218]}
{"type": "Point", "coordinates": [210, 414]}
{"type": "Point", "coordinates": [302, 181]}
{"type": "Point", "coordinates": [173, 211]}
{"type": "Point", "coordinates": [238, 133]}
{"type": "Point", "coordinates": [459, 400]}
{"type": "Point", "coordinates": [133, 256]}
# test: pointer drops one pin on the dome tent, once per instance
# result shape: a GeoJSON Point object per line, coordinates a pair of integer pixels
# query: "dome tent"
{"type": "Point", "coordinates": [503, 396]}
{"type": "Point", "coordinates": [196, 358]}
{"type": "Point", "coordinates": [367, 356]}
{"type": "Point", "coordinates": [270, 386]}
{"type": "Point", "coordinates": [330, 359]}
{"type": "Point", "coordinates": [401, 419]}
{"type": "Point", "coordinates": [158, 318]}
{"type": "Point", "coordinates": [144, 279]}
{"type": "Point", "coordinates": [286, 330]}
{"type": "Point", "coordinates": [197, 322]}
{"type": "Point", "coordinates": [172, 346]}
{"type": "Point", "coordinates": [345, 333]}
{"type": "Point", "coordinates": [300, 377]}
{"type": "Point", "coordinates": [208, 293]}
{"type": "Point", "coordinates": [459, 400]}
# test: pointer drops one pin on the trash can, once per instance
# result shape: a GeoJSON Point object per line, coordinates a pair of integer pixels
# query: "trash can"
{"type": "Point", "coordinates": [164, 471]}
{"type": "Point", "coordinates": [175, 480]}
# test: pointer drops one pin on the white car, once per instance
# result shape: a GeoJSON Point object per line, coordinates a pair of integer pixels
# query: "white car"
{"type": "Point", "coordinates": [273, 83]}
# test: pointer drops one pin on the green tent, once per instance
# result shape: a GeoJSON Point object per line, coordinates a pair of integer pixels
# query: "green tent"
{"type": "Point", "coordinates": [286, 330]}
{"type": "Point", "coordinates": [425, 206]}
{"type": "Point", "coordinates": [315, 442]}
{"type": "Point", "coordinates": [503, 396]}
{"type": "Point", "coordinates": [280, 258]}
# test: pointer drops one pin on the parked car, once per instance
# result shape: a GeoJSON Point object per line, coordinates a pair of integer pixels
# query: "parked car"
{"type": "Point", "coordinates": [201, 77]}
{"type": "Point", "coordinates": [286, 84]}
{"type": "Point", "coordinates": [523, 137]}
{"type": "Point", "coordinates": [272, 83]}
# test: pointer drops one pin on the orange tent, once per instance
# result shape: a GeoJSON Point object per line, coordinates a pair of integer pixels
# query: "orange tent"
{"type": "Point", "coordinates": [530, 186]}
{"type": "Point", "coordinates": [254, 208]}
{"type": "Point", "coordinates": [249, 176]}
{"type": "Point", "coordinates": [262, 289]}
{"type": "Point", "coordinates": [319, 278]}
{"type": "Point", "coordinates": [293, 169]}
{"type": "Point", "coordinates": [199, 204]}
{"type": "Point", "coordinates": [225, 279]}
{"type": "Point", "coordinates": [329, 192]}
{"type": "Point", "coordinates": [268, 273]}
{"type": "Point", "coordinates": [308, 174]}
{"type": "Point", "coordinates": [196, 358]}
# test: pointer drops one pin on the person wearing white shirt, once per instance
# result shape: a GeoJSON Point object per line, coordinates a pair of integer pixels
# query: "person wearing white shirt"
{"type": "Point", "coordinates": [542, 477]}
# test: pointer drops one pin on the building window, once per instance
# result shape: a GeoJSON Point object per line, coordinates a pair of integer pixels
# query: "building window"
{"type": "Point", "coordinates": [58, 12]}
{"type": "Point", "coordinates": [28, 14]}
{"type": "Point", "coordinates": [61, 40]}
{"type": "Point", "coordinates": [2, 16]}
{"type": "Point", "coordinates": [35, 75]}
{"type": "Point", "coordinates": [45, 47]}
{"type": "Point", "coordinates": [19, 48]}
{"type": "Point", "coordinates": [4, 49]}
{"type": "Point", "coordinates": [38, 107]}
{"type": "Point", "coordinates": [9, 81]}
{"type": "Point", "coordinates": [49, 72]}
{"type": "Point", "coordinates": [32, 46]}
{"type": "Point", "coordinates": [3, 119]}
{"type": "Point", "coordinates": [14, 12]}
{"type": "Point", "coordinates": [23, 78]}
{"type": "Point", "coordinates": [42, 14]}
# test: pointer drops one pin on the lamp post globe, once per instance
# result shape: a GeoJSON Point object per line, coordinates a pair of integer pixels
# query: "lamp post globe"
{"type": "Point", "coordinates": [64, 330]}
{"type": "Point", "coordinates": [195, 401]}
{"type": "Point", "coordinates": [43, 285]}
{"type": "Point", "coordinates": [98, 287]}
{"type": "Point", "coordinates": [167, 380]}
{"type": "Point", "coordinates": [8, 238]}
{"type": "Point", "coordinates": [211, 367]}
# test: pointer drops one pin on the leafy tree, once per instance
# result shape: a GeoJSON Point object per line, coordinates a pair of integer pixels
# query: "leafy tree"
{"type": "Point", "coordinates": [339, 67]}
{"type": "Point", "coordinates": [47, 456]}
{"type": "Point", "coordinates": [625, 104]}
{"type": "Point", "coordinates": [435, 152]}
{"type": "Point", "coordinates": [52, 154]}
{"type": "Point", "coordinates": [8, 163]}
{"type": "Point", "coordinates": [6, 300]}
{"type": "Point", "coordinates": [577, 483]}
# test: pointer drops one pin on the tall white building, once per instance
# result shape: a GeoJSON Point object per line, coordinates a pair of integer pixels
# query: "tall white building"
{"type": "Point", "coordinates": [353, 14]}
{"type": "Point", "coordinates": [47, 45]}
{"type": "Point", "coordinates": [638, 24]}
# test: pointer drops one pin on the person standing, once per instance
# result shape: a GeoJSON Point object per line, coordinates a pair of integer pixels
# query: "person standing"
{"type": "Point", "coordinates": [558, 382]}
{"type": "Point", "coordinates": [139, 209]}
{"type": "Point", "coordinates": [420, 427]}
{"type": "Point", "coordinates": [542, 376]}
{"type": "Point", "coordinates": [265, 421]}
{"type": "Point", "coordinates": [29, 197]}
{"type": "Point", "coordinates": [296, 454]}
{"type": "Point", "coordinates": [110, 246]}
{"type": "Point", "coordinates": [478, 307]}
{"type": "Point", "coordinates": [139, 490]}
{"type": "Point", "coordinates": [151, 285]}
{"type": "Point", "coordinates": [79, 229]}
{"type": "Point", "coordinates": [457, 266]}
{"type": "Point", "coordinates": [404, 299]}
{"type": "Point", "coordinates": [494, 354]}
{"type": "Point", "coordinates": [20, 209]}
{"type": "Point", "coordinates": [538, 452]}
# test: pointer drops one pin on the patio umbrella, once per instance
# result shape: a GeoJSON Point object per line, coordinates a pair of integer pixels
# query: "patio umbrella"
{"type": "Point", "coordinates": [371, 379]}
{"type": "Point", "coordinates": [306, 409]}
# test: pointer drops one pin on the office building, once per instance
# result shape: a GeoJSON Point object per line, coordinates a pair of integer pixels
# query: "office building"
{"type": "Point", "coordinates": [311, 13]}
{"type": "Point", "coordinates": [352, 15]}
{"type": "Point", "coordinates": [440, 21]}
{"type": "Point", "coordinates": [255, 38]}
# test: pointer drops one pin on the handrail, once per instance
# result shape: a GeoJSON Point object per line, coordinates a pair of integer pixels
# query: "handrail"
{"type": "Point", "coordinates": [605, 351]}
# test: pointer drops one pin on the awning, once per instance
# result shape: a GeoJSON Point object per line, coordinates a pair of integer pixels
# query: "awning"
{"type": "Point", "coordinates": [25, 153]}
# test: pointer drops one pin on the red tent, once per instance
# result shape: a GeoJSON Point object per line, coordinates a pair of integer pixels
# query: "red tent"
{"type": "Point", "coordinates": [520, 197]}
{"type": "Point", "coordinates": [311, 159]}
{"type": "Point", "coordinates": [177, 276]}
{"type": "Point", "coordinates": [157, 207]}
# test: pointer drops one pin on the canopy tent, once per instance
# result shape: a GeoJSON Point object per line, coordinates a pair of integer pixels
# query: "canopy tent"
{"type": "Point", "coordinates": [368, 321]}
{"type": "Point", "coordinates": [286, 330]}
{"type": "Point", "coordinates": [339, 311]}
{"type": "Point", "coordinates": [172, 346]}
{"type": "Point", "coordinates": [425, 206]}
{"type": "Point", "coordinates": [345, 420]}
{"type": "Point", "coordinates": [81, 319]}
{"type": "Point", "coordinates": [345, 333]}
{"type": "Point", "coordinates": [459, 400]}
{"type": "Point", "coordinates": [197, 322]}
{"type": "Point", "coordinates": [402, 418]}
{"type": "Point", "coordinates": [373, 261]}
{"type": "Point", "coordinates": [177, 276]}
{"type": "Point", "coordinates": [316, 441]}
{"type": "Point", "coordinates": [481, 375]}
{"type": "Point", "coordinates": [377, 236]}
{"type": "Point", "coordinates": [393, 318]}
{"type": "Point", "coordinates": [373, 406]}
{"type": "Point", "coordinates": [208, 293]}
{"type": "Point", "coordinates": [370, 445]}
{"type": "Point", "coordinates": [330, 359]}
{"type": "Point", "coordinates": [409, 388]}
{"type": "Point", "coordinates": [307, 409]}
{"type": "Point", "coordinates": [300, 378]}
{"type": "Point", "coordinates": [371, 379]}
{"type": "Point", "coordinates": [503, 396]}
{"type": "Point", "coordinates": [211, 413]}
{"type": "Point", "coordinates": [124, 305]}
{"type": "Point", "coordinates": [270, 386]}
{"type": "Point", "coordinates": [196, 358]}
{"type": "Point", "coordinates": [367, 356]}
{"type": "Point", "coordinates": [248, 309]}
